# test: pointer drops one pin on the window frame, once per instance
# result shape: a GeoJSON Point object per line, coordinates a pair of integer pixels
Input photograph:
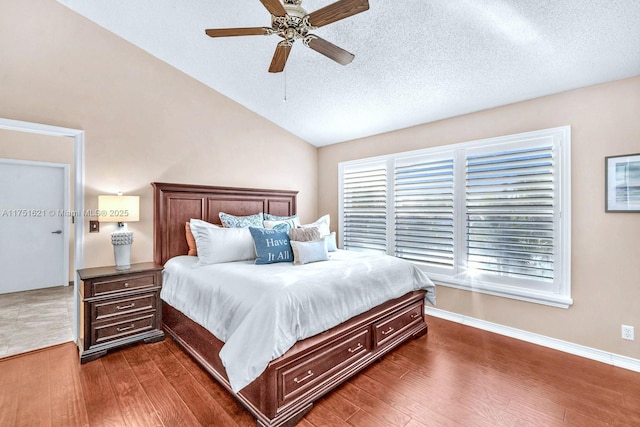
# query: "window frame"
{"type": "Point", "coordinates": [558, 293]}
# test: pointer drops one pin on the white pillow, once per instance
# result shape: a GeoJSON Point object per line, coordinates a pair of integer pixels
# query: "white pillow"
{"type": "Point", "coordinates": [323, 225]}
{"type": "Point", "coordinates": [200, 223]}
{"type": "Point", "coordinates": [306, 252]}
{"type": "Point", "coordinates": [191, 240]}
{"type": "Point", "coordinates": [216, 245]}
{"type": "Point", "coordinates": [330, 240]}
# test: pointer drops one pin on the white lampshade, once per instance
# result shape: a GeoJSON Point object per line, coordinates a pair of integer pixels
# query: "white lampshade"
{"type": "Point", "coordinates": [119, 208]}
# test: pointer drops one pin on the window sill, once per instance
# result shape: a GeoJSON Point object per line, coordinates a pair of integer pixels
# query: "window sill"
{"type": "Point", "coordinates": [545, 298]}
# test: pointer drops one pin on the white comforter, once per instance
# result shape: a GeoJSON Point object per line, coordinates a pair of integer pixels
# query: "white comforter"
{"type": "Point", "coordinates": [260, 311]}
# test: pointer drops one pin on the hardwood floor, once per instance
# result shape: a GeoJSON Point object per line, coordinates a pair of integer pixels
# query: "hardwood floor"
{"type": "Point", "coordinates": [456, 375]}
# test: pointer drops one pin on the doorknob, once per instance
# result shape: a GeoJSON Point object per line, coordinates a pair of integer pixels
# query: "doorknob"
{"type": "Point", "coordinates": [57, 232]}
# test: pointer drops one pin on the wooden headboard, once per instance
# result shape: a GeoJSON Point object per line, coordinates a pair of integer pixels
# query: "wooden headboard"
{"type": "Point", "coordinates": [176, 204]}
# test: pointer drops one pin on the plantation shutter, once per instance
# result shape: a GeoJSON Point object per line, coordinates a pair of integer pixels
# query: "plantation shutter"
{"type": "Point", "coordinates": [365, 208]}
{"type": "Point", "coordinates": [510, 212]}
{"type": "Point", "coordinates": [424, 218]}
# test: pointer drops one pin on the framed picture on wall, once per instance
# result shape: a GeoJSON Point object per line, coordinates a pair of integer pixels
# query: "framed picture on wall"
{"type": "Point", "coordinates": [622, 183]}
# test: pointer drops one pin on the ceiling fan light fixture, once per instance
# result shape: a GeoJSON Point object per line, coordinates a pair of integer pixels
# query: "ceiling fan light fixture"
{"type": "Point", "coordinates": [290, 21]}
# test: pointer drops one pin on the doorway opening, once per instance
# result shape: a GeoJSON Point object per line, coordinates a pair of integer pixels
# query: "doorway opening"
{"type": "Point", "coordinates": [70, 294]}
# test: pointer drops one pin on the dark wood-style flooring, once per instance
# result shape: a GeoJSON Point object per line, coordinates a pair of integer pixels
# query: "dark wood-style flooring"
{"type": "Point", "coordinates": [456, 375]}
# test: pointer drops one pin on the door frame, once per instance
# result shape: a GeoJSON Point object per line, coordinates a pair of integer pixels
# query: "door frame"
{"type": "Point", "coordinates": [65, 189]}
{"type": "Point", "coordinates": [78, 194]}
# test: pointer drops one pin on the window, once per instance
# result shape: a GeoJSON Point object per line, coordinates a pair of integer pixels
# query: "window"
{"type": "Point", "coordinates": [491, 216]}
{"type": "Point", "coordinates": [364, 211]}
{"type": "Point", "coordinates": [423, 210]}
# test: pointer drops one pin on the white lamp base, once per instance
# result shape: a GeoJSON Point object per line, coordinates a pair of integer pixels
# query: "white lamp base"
{"type": "Point", "coordinates": [121, 241]}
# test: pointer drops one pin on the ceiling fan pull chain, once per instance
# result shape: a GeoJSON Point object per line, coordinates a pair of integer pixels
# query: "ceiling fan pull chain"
{"type": "Point", "coordinates": [285, 86]}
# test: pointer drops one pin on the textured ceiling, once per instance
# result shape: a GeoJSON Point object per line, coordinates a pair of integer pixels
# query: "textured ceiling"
{"type": "Point", "coordinates": [416, 61]}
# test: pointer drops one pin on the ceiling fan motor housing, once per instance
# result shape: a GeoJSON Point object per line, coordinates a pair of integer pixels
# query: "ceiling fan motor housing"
{"type": "Point", "coordinates": [294, 25]}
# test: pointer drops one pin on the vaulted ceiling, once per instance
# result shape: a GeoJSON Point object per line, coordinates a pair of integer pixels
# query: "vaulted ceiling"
{"type": "Point", "coordinates": [416, 61]}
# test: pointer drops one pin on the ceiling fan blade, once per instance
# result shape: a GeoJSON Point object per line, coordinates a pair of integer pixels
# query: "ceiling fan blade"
{"type": "Point", "coordinates": [280, 57]}
{"type": "Point", "coordinates": [274, 7]}
{"type": "Point", "coordinates": [329, 50]}
{"type": "Point", "coordinates": [337, 11]}
{"type": "Point", "coordinates": [230, 32]}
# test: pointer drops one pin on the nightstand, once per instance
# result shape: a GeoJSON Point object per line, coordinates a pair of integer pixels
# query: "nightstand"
{"type": "Point", "coordinates": [119, 307]}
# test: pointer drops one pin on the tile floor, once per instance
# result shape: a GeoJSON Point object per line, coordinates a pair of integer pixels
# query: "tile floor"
{"type": "Point", "coordinates": [35, 319]}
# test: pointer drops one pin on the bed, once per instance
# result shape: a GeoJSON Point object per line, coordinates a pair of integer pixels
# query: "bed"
{"type": "Point", "coordinates": [287, 388]}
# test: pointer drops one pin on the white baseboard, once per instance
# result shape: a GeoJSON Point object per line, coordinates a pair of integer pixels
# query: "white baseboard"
{"type": "Point", "coordinates": [556, 344]}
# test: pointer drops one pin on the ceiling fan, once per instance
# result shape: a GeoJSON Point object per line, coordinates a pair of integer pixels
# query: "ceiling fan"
{"type": "Point", "coordinates": [290, 21]}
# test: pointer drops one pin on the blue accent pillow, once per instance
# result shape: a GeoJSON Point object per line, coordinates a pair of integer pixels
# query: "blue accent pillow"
{"type": "Point", "coordinates": [271, 245]}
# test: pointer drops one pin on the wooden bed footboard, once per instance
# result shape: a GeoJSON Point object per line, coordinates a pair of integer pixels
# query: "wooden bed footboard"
{"type": "Point", "coordinates": [286, 390]}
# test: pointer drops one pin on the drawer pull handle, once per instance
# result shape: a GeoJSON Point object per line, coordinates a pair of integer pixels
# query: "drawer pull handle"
{"type": "Point", "coordinates": [306, 377]}
{"type": "Point", "coordinates": [124, 307]}
{"type": "Point", "coordinates": [356, 348]}
{"type": "Point", "coordinates": [126, 328]}
{"type": "Point", "coordinates": [388, 331]}
{"type": "Point", "coordinates": [126, 284]}
{"type": "Point", "coordinates": [415, 315]}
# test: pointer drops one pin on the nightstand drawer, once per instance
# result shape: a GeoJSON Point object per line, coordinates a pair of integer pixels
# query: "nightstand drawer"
{"type": "Point", "coordinates": [105, 287]}
{"type": "Point", "coordinates": [121, 328]}
{"type": "Point", "coordinates": [122, 306]}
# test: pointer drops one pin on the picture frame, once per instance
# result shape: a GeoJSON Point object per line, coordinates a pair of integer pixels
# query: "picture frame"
{"type": "Point", "coordinates": [622, 183]}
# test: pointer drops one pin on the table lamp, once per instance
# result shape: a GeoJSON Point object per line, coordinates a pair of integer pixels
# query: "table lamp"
{"type": "Point", "coordinates": [120, 209]}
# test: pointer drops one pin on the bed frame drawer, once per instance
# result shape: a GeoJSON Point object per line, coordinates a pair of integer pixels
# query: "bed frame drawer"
{"type": "Point", "coordinates": [101, 310]}
{"type": "Point", "coordinates": [388, 329]}
{"type": "Point", "coordinates": [298, 378]}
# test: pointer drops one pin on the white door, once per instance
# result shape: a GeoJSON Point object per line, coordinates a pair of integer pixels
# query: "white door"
{"type": "Point", "coordinates": [34, 243]}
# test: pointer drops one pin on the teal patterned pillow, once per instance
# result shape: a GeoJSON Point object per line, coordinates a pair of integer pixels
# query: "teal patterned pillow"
{"type": "Point", "coordinates": [232, 221]}
{"type": "Point", "coordinates": [280, 226]}
{"type": "Point", "coordinates": [271, 245]}
{"type": "Point", "coordinates": [269, 217]}
{"type": "Point", "coordinates": [285, 224]}
{"type": "Point", "coordinates": [271, 221]}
